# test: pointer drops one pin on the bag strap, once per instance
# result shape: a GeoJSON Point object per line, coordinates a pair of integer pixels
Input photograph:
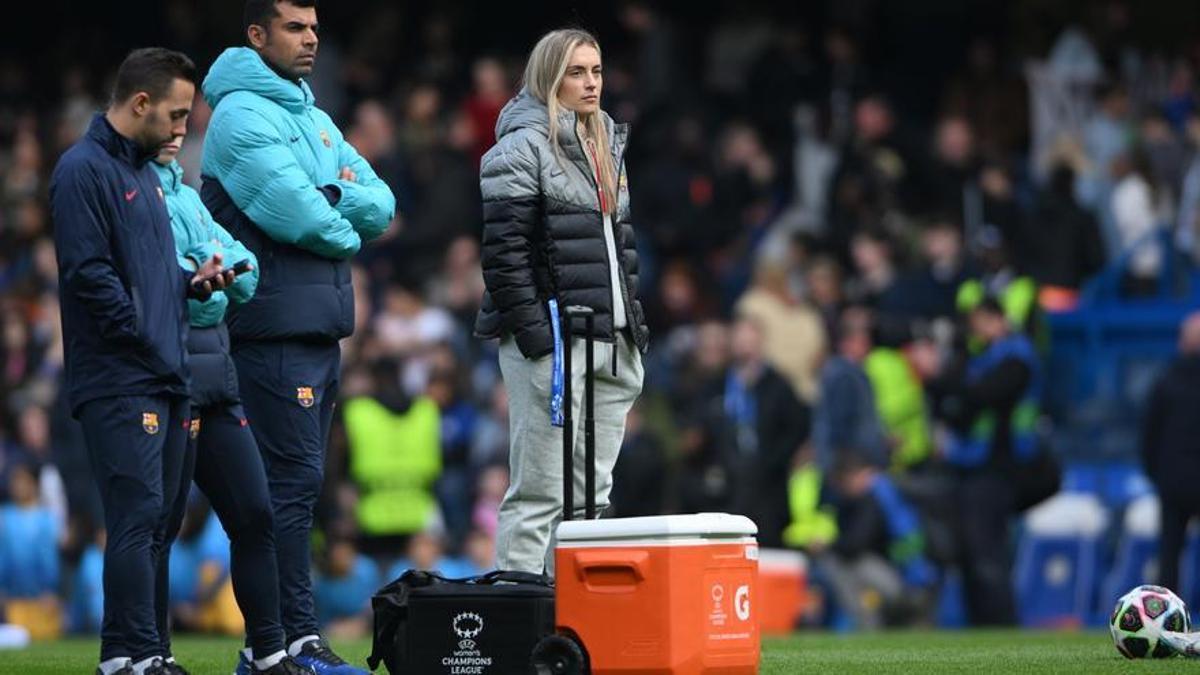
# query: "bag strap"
{"type": "Point", "coordinates": [512, 576]}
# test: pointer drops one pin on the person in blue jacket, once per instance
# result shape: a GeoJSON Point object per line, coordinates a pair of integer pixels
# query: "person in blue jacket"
{"type": "Point", "coordinates": [124, 318]}
{"type": "Point", "coordinates": [281, 178]}
{"type": "Point", "coordinates": [229, 470]}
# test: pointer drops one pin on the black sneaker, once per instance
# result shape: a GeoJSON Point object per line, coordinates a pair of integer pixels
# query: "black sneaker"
{"type": "Point", "coordinates": [318, 657]}
{"type": "Point", "coordinates": [124, 670]}
{"type": "Point", "coordinates": [156, 667]}
{"type": "Point", "coordinates": [287, 666]}
{"type": "Point", "coordinates": [172, 668]}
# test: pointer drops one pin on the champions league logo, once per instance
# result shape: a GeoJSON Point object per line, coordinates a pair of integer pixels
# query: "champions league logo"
{"type": "Point", "coordinates": [467, 660]}
{"type": "Point", "coordinates": [467, 626]}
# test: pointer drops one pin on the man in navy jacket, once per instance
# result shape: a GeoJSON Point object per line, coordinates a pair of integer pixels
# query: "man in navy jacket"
{"type": "Point", "coordinates": [125, 324]}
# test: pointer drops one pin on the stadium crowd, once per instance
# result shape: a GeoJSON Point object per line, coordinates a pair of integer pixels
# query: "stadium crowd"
{"type": "Point", "coordinates": [824, 249]}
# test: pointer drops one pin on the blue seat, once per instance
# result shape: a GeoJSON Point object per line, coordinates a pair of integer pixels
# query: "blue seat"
{"type": "Point", "coordinates": [1058, 557]}
{"type": "Point", "coordinates": [1136, 559]}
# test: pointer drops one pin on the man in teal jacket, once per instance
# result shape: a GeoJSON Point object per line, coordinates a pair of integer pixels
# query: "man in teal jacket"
{"type": "Point", "coordinates": [228, 467]}
{"type": "Point", "coordinates": [280, 176]}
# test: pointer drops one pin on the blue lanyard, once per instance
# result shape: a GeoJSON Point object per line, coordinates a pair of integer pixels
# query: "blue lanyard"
{"type": "Point", "coordinates": [556, 371]}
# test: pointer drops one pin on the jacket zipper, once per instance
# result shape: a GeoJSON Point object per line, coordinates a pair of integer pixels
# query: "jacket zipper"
{"type": "Point", "coordinates": [593, 174]}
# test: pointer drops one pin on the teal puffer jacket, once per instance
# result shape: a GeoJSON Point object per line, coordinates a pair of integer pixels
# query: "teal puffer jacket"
{"type": "Point", "coordinates": [197, 237]}
{"type": "Point", "coordinates": [271, 168]}
{"type": "Point", "coordinates": [270, 147]}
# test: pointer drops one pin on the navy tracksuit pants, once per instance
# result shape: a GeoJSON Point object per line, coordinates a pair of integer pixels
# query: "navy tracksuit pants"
{"type": "Point", "coordinates": [229, 471]}
{"type": "Point", "coordinates": [289, 390]}
{"type": "Point", "coordinates": [137, 450]}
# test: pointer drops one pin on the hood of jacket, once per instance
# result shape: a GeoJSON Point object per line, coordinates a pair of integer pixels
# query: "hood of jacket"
{"type": "Point", "coordinates": [171, 176]}
{"type": "Point", "coordinates": [525, 111]}
{"type": "Point", "coordinates": [242, 69]}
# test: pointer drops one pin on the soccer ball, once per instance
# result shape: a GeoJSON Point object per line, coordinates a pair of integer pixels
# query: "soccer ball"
{"type": "Point", "coordinates": [1140, 617]}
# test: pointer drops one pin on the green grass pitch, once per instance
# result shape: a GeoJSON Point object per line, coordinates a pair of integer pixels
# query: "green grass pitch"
{"type": "Point", "coordinates": [924, 653]}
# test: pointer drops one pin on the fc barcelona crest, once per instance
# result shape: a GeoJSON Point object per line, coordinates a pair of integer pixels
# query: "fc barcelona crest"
{"type": "Point", "coordinates": [150, 423]}
{"type": "Point", "coordinates": [325, 139]}
{"type": "Point", "coordinates": [194, 429]}
{"type": "Point", "coordinates": [305, 396]}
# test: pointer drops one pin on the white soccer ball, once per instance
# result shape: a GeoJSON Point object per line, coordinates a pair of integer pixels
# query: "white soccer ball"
{"type": "Point", "coordinates": [1141, 616]}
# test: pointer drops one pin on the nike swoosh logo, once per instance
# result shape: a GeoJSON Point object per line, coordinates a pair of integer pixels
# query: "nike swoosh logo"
{"type": "Point", "coordinates": [130, 195]}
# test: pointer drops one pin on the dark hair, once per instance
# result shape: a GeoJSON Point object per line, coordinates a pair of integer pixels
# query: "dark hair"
{"type": "Point", "coordinates": [152, 70]}
{"type": "Point", "coordinates": [260, 12]}
{"type": "Point", "coordinates": [991, 305]}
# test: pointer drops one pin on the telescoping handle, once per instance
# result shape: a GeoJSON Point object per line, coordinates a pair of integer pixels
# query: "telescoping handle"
{"type": "Point", "coordinates": [589, 422]}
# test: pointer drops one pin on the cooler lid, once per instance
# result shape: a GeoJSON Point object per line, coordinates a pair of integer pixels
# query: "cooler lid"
{"type": "Point", "coordinates": [698, 525]}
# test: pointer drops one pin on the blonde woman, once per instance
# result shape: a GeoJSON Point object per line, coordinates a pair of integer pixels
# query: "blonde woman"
{"type": "Point", "coordinates": [556, 234]}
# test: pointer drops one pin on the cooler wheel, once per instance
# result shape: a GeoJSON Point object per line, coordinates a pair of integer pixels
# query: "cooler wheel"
{"type": "Point", "coordinates": [558, 655]}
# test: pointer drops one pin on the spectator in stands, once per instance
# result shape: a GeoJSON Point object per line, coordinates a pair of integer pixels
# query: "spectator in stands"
{"type": "Point", "coordinates": [490, 91]}
{"type": "Point", "coordinates": [459, 285]}
{"type": "Point", "coordinates": [1068, 249]}
{"type": "Point", "coordinates": [992, 406]}
{"type": "Point", "coordinates": [1137, 222]}
{"type": "Point", "coordinates": [846, 417]}
{"type": "Point", "coordinates": [480, 551]}
{"type": "Point", "coordinates": [876, 276]}
{"type": "Point", "coordinates": [28, 540]}
{"type": "Point", "coordinates": [201, 587]}
{"type": "Point", "coordinates": [641, 470]}
{"type": "Point", "coordinates": [394, 459]}
{"type": "Point", "coordinates": [29, 565]}
{"type": "Point", "coordinates": [426, 551]}
{"type": "Point", "coordinates": [823, 279]}
{"type": "Point", "coordinates": [1170, 447]}
{"type": "Point", "coordinates": [1106, 137]}
{"type": "Point", "coordinates": [490, 445]}
{"type": "Point", "coordinates": [929, 291]}
{"type": "Point", "coordinates": [1188, 227]}
{"type": "Point", "coordinates": [793, 335]}
{"type": "Point", "coordinates": [1000, 279]}
{"type": "Point", "coordinates": [409, 329]}
{"type": "Point", "coordinates": [756, 425]}
{"type": "Point", "coordinates": [459, 418]}
{"type": "Point", "coordinates": [34, 432]}
{"type": "Point", "coordinates": [954, 174]}
{"type": "Point", "coordinates": [879, 171]}
{"type": "Point", "coordinates": [492, 486]}
{"type": "Point", "coordinates": [342, 590]}
{"type": "Point", "coordinates": [877, 566]}
{"type": "Point", "coordinates": [896, 382]}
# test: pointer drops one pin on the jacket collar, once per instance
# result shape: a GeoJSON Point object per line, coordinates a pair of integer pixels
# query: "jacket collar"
{"type": "Point", "coordinates": [171, 176]}
{"type": "Point", "coordinates": [115, 144]}
{"type": "Point", "coordinates": [242, 69]}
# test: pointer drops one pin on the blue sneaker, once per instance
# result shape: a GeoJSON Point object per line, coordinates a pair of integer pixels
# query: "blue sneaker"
{"type": "Point", "coordinates": [287, 666]}
{"type": "Point", "coordinates": [317, 655]}
{"type": "Point", "coordinates": [244, 667]}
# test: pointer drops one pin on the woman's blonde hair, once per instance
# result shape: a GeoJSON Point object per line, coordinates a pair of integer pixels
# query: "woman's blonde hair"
{"type": "Point", "coordinates": [544, 73]}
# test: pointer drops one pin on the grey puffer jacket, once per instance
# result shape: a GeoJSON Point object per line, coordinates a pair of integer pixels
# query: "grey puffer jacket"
{"type": "Point", "coordinates": [543, 232]}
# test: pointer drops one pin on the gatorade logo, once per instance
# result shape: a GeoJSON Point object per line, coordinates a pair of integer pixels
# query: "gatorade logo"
{"type": "Point", "coordinates": [741, 603]}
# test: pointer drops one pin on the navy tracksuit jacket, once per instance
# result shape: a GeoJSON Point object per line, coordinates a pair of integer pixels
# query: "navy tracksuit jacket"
{"type": "Point", "coordinates": [124, 321]}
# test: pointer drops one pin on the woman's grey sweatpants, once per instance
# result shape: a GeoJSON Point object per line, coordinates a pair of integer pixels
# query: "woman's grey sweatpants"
{"type": "Point", "coordinates": [532, 508]}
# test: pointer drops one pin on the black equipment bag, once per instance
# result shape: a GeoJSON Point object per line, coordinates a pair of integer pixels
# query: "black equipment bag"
{"type": "Point", "coordinates": [426, 623]}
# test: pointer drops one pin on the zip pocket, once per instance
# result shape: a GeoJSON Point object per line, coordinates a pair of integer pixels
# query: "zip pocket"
{"type": "Point", "coordinates": [136, 296]}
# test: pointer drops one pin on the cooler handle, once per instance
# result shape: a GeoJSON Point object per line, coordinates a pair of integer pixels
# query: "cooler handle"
{"type": "Point", "coordinates": [611, 571]}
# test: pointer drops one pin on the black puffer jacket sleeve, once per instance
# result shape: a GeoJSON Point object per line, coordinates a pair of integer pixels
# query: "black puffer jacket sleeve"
{"type": "Point", "coordinates": [509, 182]}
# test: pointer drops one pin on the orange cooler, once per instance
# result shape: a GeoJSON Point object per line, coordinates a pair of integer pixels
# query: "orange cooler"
{"type": "Point", "coordinates": [664, 594]}
{"type": "Point", "coordinates": [782, 577]}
